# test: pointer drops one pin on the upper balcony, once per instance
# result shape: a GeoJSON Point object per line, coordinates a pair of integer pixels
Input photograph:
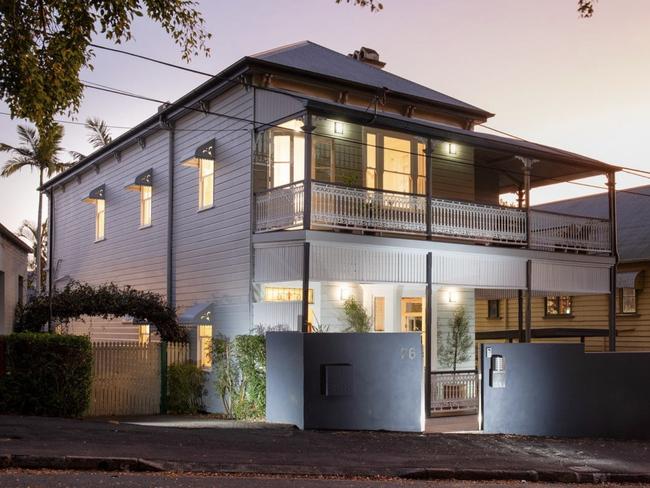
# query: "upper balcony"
{"type": "Point", "coordinates": [383, 182]}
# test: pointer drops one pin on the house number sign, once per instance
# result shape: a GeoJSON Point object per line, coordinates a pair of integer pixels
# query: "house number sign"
{"type": "Point", "coordinates": [408, 353]}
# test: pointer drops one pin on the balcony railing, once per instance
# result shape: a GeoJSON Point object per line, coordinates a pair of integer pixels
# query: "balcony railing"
{"type": "Point", "coordinates": [454, 392]}
{"type": "Point", "coordinates": [356, 208]}
{"type": "Point", "coordinates": [280, 208]}
{"type": "Point", "coordinates": [341, 207]}
{"type": "Point", "coordinates": [550, 230]}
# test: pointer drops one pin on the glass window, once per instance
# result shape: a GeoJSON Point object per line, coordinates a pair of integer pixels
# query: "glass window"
{"type": "Point", "coordinates": [144, 333]}
{"type": "Point", "coordinates": [371, 161]}
{"type": "Point", "coordinates": [205, 346]}
{"type": "Point", "coordinates": [626, 300]}
{"type": "Point", "coordinates": [493, 309]}
{"type": "Point", "coordinates": [560, 305]}
{"type": "Point", "coordinates": [288, 153]}
{"type": "Point", "coordinates": [379, 313]}
{"type": "Point", "coordinates": [397, 164]}
{"type": "Point", "coordinates": [277, 294]}
{"type": "Point", "coordinates": [100, 218]}
{"type": "Point", "coordinates": [145, 206]}
{"type": "Point", "coordinates": [206, 183]}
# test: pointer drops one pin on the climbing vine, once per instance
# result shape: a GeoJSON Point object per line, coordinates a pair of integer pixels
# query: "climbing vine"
{"type": "Point", "coordinates": [109, 300]}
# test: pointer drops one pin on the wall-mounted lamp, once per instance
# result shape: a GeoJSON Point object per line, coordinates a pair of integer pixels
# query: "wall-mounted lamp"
{"type": "Point", "coordinates": [453, 148]}
{"type": "Point", "coordinates": [452, 296]}
{"type": "Point", "coordinates": [338, 127]}
{"type": "Point", "coordinates": [346, 292]}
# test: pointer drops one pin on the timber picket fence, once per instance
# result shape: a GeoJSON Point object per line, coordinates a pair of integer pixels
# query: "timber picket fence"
{"type": "Point", "coordinates": [127, 376]}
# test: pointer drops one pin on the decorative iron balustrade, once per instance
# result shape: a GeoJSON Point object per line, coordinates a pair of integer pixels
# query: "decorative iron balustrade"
{"type": "Point", "coordinates": [454, 392]}
{"type": "Point", "coordinates": [365, 209]}
{"type": "Point", "coordinates": [280, 208]}
{"type": "Point", "coordinates": [475, 221]}
{"type": "Point", "coordinates": [550, 230]}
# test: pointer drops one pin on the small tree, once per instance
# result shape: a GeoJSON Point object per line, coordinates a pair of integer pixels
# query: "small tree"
{"type": "Point", "coordinates": [455, 346]}
{"type": "Point", "coordinates": [356, 317]}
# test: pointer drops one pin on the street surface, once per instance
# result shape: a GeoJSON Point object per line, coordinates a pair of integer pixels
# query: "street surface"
{"type": "Point", "coordinates": [65, 479]}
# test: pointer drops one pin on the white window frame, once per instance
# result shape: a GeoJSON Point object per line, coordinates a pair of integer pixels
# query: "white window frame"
{"type": "Point", "coordinates": [100, 220]}
{"type": "Point", "coordinates": [146, 200]}
{"type": "Point", "coordinates": [206, 203]}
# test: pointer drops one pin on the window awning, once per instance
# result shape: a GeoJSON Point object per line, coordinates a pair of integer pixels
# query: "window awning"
{"type": "Point", "coordinates": [143, 179]}
{"type": "Point", "coordinates": [204, 151]}
{"type": "Point", "coordinates": [98, 193]}
{"type": "Point", "coordinates": [630, 279]}
{"type": "Point", "coordinates": [199, 313]}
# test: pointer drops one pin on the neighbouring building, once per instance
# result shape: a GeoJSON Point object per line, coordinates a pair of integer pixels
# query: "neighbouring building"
{"type": "Point", "coordinates": [13, 277]}
{"type": "Point", "coordinates": [300, 177]}
{"type": "Point", "coordinates": [584, 318]}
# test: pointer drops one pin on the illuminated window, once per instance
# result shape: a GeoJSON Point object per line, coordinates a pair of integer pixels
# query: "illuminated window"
{"type": "Point", "coordinates": [143, 333]}
{"type": "Point", "coordinates": [206, 183]}
{"type": "Point", "coordinates": [100, 219]}
{"type": "Point", "coordinates": [626, 300]}
{"type": "Point", "coordinates": [379, 313]}
{"type": "Point", "coordinates": [274, 294]}
{"type": "Point", "coordinates": [288, 153]}
{"type": "Point", "coordinates": [397, 164]}
{"type": "Point", "coordinates": [422, 165]}
{"type": "Point", "coordinates": [371, 161]}
{"type": "Point", "coordinates": [145, 206]}
{"type": "Point", "coordinates": [493, 309]}
{"type": "Point", "coordinates": [559, 306]}
{"type": "Point", "coordinates": [205, 343]}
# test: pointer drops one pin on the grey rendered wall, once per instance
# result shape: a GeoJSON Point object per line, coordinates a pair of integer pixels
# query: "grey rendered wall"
{"type": "Point", "coordinates": [285, 378]}
{"type": "Point", "coordinates": [558, 390]}
{"type": "Point", "coordinates": [381, 381]}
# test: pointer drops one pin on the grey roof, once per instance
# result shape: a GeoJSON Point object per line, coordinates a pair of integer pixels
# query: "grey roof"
{"type": "Point", "coordinates": [632, 214]}
{"type": "Point", "coordinates": [308, 56]}
{"type": "Point", "coordinates": [14, 239]}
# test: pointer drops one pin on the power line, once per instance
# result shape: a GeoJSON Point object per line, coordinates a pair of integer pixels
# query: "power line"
{"type": "Point", "coordinates": [225, 78]}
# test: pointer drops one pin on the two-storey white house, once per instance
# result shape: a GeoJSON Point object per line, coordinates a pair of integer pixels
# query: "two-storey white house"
{"type": "Point", "coordinates": [299, 177]}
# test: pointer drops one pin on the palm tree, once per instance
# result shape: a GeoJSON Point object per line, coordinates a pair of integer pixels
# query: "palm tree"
{"type": "Point", "coordinates": [29, 231]}
{"type": "Point", "coordinates": [99, 136]}
{"type": "Point", "coordinates": [40, 152]}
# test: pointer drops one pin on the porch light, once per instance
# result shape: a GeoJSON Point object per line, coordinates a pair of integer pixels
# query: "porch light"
{"type": "Point", "coordinates": [346, 292]}
{"type": "Point", "coordinates": [452, 296]}
{"type": "Point", "coordinates": [453, 148]}
{"type": "Point", "coordinates": [338, 127]}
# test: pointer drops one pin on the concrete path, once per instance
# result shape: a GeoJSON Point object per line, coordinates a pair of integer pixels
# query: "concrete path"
{"type": "Point", "coordinates": [34, 442]}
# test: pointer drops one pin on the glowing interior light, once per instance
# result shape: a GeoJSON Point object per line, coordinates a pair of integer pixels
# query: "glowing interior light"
{"type": "Point", "coordinates": [453, 149]}
{"type": "Point", "coordinates": [338, 127]}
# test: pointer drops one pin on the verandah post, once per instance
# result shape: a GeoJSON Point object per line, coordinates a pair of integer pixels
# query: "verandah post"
{"type": "Point", "coordinates": [427, 336]}
{"type": "Point", "coordinates": [307, 129]}
{"type": "Point", "coordinates": [611, 193]}
{"type": "Point", "coordinates": [305, 288]}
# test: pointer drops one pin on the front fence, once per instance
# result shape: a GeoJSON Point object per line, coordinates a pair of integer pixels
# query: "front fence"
{"type": "Point", "coordinates": [454, 392]}
{"type": "Point", "coordinates": [126, 376]}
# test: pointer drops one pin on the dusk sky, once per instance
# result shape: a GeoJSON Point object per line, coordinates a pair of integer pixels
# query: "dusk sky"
{"type": "Point", "coordinates": [550, 77]}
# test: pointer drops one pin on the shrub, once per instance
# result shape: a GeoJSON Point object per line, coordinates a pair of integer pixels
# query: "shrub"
{"type": "Point", "coordinates": [48, 374]}
{"type": "Point", "coordinates": [356, 317]}
{"type": "Point", "coordinates": [108, 300]}
{"type": "Point", "coordinates": [186, 386]}
{"type": "Point", "coordinates": [240, 367]}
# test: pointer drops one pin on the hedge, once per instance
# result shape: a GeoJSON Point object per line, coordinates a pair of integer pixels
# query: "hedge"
{"type": "Point", "coordinates": [186, 387]}
{"type": "Point", "coordinates": [47, 374]}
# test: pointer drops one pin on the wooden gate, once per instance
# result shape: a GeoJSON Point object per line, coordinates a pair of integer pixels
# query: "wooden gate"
{"type": "Point", "coordinates": [127, 377]}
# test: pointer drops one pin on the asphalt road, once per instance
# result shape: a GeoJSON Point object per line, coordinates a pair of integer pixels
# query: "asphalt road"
{"type": "Point", "coordinates": [84, 479]}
